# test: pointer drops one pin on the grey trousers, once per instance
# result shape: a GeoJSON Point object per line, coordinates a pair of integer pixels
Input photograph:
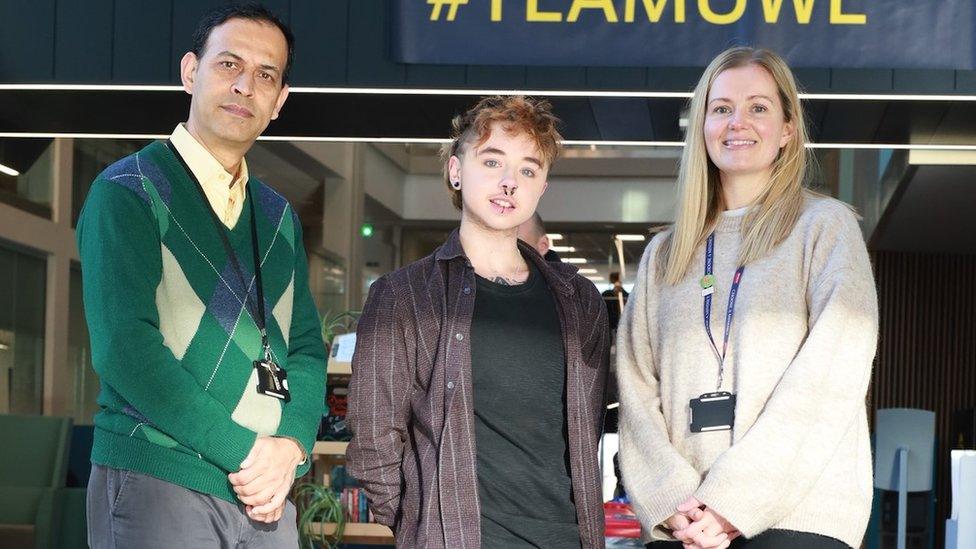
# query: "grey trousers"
{"type": "Point", "coordinates": [132, 510]}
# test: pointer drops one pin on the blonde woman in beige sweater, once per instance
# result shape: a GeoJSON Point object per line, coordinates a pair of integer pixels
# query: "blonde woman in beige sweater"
{"type": "Point", "coordinates": [752, 433]}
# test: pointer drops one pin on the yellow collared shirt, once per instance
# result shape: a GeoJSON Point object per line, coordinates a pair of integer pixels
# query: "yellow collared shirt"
{"type": "Point", "coordinates": [226, 199]}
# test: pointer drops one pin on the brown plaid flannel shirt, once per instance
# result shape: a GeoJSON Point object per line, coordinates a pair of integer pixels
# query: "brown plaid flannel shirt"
{"type": "Point", "coordinates": [411, 407]}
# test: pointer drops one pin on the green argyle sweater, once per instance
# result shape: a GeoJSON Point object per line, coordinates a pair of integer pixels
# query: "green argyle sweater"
{"type": "Point", "coordinates": [171, 339]}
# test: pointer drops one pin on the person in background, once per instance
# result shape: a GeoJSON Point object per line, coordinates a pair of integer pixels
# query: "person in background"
{"type": "Point", "coordinates": [477, 393]}
{"type": "Point", "coordinates": [533, 232]}
{"type": "Point", "coordinates": [744, 423]}
{"type": "Point", "coordinates": [204, 334]}
{"type": "Point", "coordinates": [615, 298]}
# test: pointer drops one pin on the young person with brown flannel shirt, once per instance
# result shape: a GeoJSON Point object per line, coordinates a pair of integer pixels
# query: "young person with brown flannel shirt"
{"type": "Point", "coordinates": [477, 393]}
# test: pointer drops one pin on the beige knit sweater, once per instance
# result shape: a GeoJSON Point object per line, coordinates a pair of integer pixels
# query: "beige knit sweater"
{"type": "Point", "coordinates": [799, 361]}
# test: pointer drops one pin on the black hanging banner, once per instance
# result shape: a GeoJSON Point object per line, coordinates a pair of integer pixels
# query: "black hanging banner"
{"type": "Point", "coordinates": [933, 34]}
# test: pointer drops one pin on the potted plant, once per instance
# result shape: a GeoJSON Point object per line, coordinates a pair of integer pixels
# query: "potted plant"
{"type": "Point", "coordinates": [334, 324]}
{"type": "Point", "coordinates": [319, 504]}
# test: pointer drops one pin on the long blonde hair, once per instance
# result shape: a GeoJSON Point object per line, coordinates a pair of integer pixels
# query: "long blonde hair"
{"type": "Point", "coordinates": [699, 193]}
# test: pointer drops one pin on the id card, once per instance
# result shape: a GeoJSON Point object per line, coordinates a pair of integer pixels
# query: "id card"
{"type": "Point", "coordinates": [272, 380]}
{"type": "Point", "coordinates": [712, 412]}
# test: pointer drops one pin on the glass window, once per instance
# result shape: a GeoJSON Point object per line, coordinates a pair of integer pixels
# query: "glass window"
{"type": "Point", "coordinates": [22, 296]}
{"type": "Point", "coordinates": [91, 156]}
{"type": "Point", "coordinates": [25, 174]}
{"type": "Point", "coordinates": [79, 355]}
{"type": "Point", "coordinates": [327, 282]}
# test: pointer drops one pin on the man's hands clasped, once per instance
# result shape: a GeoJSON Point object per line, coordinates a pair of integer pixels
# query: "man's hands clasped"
{"type": "Point", "coordinates": [699, 527]}
{"type": "Point", "coordinates": [266, 477]}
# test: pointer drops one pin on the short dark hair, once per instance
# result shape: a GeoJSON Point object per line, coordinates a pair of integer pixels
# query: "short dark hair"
{"type": "Point", "coordinates": [250, 10]}
{"type": "Point", "coordinates": [614, 277]}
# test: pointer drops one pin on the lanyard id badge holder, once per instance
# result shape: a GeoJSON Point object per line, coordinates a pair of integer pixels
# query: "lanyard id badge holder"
{"type": "Point", "coordinates": [715, 411]}
{"type": "Point", "coordinates": [272, 379]}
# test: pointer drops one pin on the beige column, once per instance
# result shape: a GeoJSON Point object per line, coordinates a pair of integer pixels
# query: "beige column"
{"type": "Point", "coordinates": [58, 377]}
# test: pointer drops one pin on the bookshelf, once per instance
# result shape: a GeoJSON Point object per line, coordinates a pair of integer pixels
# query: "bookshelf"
{"type": "Point", "coordinates": [329, 448]}
{"type": "Point", "coordinates": [327, 453]}
{"type": "Point", "coordinates": [362, 533]}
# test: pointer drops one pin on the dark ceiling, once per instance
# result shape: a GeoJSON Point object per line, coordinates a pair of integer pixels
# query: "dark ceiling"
{"type": "Point", "coordinates": [931, 212]}
{"type": "Point", "coordinates": [361, 115]}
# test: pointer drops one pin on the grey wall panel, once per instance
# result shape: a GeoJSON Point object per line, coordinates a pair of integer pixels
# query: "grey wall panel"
{"type": "Point", "coordinates": [673, 78]}
{"type": "Point", "coordinates": [496, 77]}
{"type": "Point", "coordinates": [27, 40]}
{"type": "Point", "coordinates": [555, 78]}
{"type": "Point", "coordinates": [435, 76]}
{"type": "Point", "coordinates": [813, 80]}
{"type": "Point", "coordinates": [369, 46]}
{"type": "Point", "coordinates": [616, 78]}
{"type": "Point", "coordinates": [924, 81]}
{"type": "Point", "coordinates": [83, 41]}
{"type": "Point", "coordinates": [860, 80]}
{"type": "Point", "coordinates": [141, 47]}
{"type": "Point", "coordinates": [321, 42]}
{"type": "Point", "coordinates": [966, 81]}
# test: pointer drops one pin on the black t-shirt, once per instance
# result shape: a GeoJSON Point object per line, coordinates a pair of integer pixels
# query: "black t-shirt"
{"type": "Point", "coordinates": [518, 370]}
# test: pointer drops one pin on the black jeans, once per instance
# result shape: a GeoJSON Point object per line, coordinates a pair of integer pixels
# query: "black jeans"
{"type": "Point", "coordinates": [772, 539]}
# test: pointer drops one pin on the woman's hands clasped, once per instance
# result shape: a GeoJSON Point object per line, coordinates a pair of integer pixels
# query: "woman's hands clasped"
{"type": "Point", "coordinates": [699, 527]}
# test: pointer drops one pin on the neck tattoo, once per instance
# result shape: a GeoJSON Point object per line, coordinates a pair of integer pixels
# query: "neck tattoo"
{"type": "Point", "coordinates": [513, 281]}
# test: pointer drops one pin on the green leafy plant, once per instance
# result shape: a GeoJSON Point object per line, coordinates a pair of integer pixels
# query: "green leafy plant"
{"type": "Point", "coordinates": [334, 324]}
{"type": "Point", "coordinates": [318, 504]}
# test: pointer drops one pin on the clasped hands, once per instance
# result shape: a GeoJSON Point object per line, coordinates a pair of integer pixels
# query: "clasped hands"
{"type": "Point", "coordinates": [266, 476]}
{"type": "Point", "coordinates": [699, 527]}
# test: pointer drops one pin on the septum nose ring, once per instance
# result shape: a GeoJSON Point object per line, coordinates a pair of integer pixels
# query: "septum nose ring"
{"type": "Point", "coordinates": [509, 191]}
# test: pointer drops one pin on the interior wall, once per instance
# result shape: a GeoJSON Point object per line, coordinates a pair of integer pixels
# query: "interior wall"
{"type": "Point", "coordinates": [568, 199]}
{"type": "Point", "coordinates": [927, 349]}
{"type": "Point", "coordinates": [382, 179]}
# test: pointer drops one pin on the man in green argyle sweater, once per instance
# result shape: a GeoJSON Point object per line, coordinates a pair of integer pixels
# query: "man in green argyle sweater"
{"type": "Point", "coordinates": [204, 333]}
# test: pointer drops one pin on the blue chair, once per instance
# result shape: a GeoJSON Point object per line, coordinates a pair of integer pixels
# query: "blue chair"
{"type": "Point", "coordinates": [33, 468]}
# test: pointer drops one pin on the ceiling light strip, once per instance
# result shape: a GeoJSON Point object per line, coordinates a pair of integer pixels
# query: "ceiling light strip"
{"type": "Point", "coordinates": [575, 142]}
{"type": "Point", "coordinates": [477, 92]}
{"type": "Point", "coordinates": [89, 87]}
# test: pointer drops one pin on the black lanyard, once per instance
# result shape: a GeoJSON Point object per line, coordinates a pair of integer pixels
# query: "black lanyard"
{"type": "Point", "coordinates": [256, 312]}
{"type": "Point", "coordinates": [708, 288]}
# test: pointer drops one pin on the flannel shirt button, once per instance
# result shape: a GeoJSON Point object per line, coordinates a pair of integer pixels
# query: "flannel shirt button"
{"type": "Point", "coordinates": [450, 384]}
{"type": "Point", "coordinates": [459, 336]}
{"type": "Point", "coordinates": [467, 291]}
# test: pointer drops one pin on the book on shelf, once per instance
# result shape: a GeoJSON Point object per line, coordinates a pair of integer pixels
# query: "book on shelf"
{"type": "Point", "coordinates": [356, 505]}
